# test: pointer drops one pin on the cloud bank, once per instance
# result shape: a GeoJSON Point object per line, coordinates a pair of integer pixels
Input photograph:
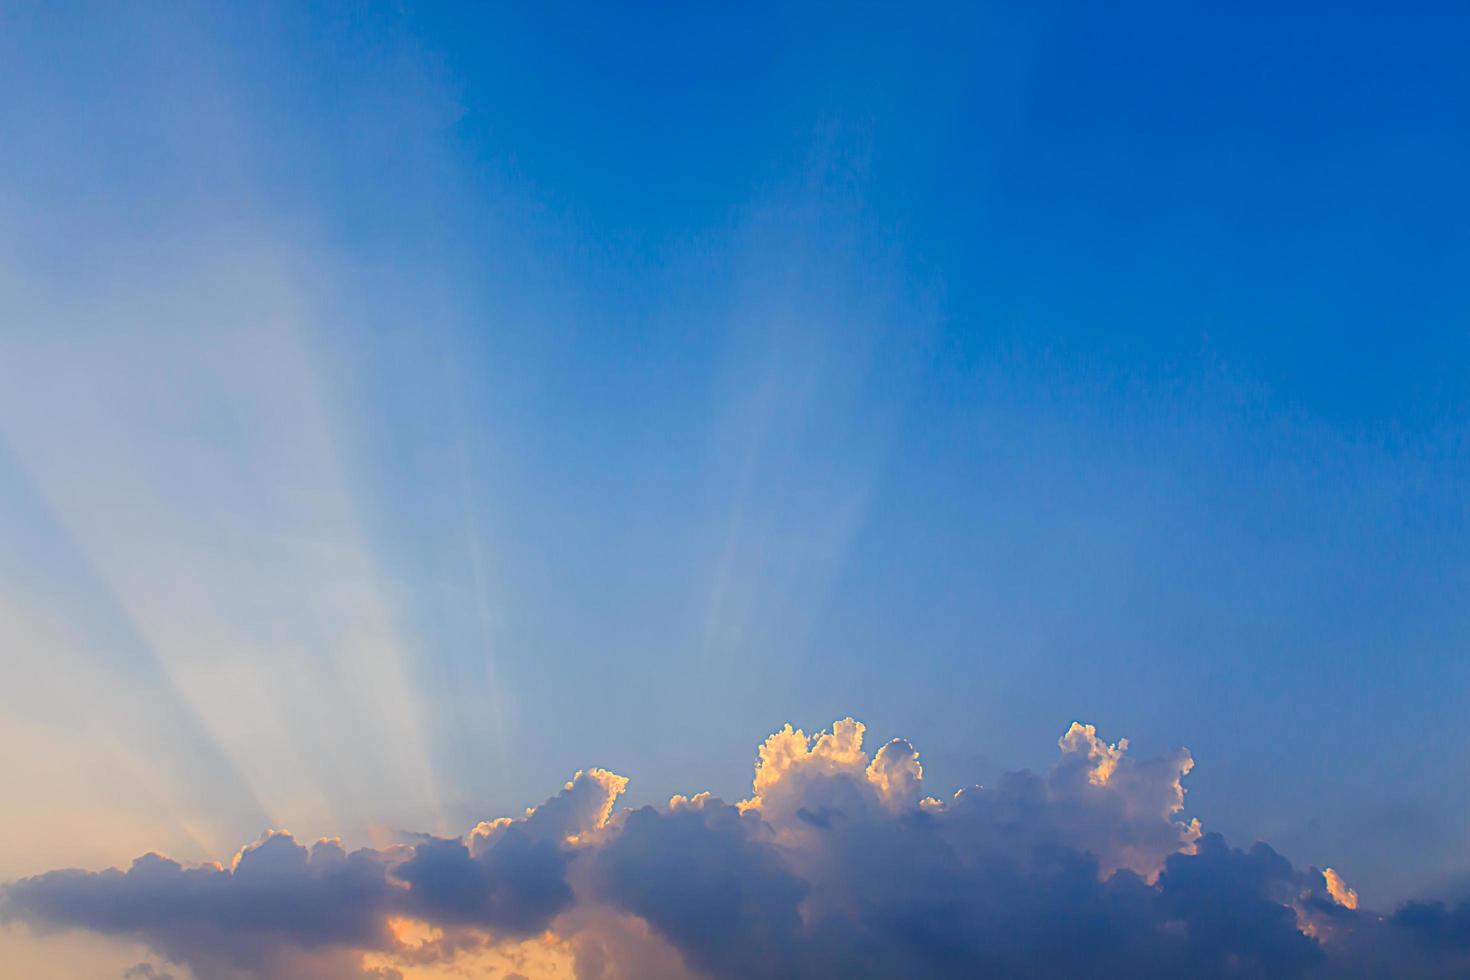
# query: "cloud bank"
{"type": "Point", "coordinates": [838, 864]}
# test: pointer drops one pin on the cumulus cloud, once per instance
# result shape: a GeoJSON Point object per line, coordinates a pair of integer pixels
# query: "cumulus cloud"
{"type": "Point", "coordinates": [1339, 890]}
{"type": "Point", "coordinates": [838, 864]}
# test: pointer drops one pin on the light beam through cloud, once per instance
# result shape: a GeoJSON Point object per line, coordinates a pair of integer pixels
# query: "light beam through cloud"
{"type": "Point", "coordinates": [837, 865]}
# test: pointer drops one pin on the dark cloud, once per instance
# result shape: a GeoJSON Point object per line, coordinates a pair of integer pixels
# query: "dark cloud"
{"type": "Point", "coordinates": [1435, 924]}
{"type": "Point", "coordinates": [710, 880]}
{"type": "Point", "coordinates": [1237, 910]}
{"type": "Point", "coordinates": [279, 895]}
{"type": "Point", "coordinates": [517, 885]}
{"type": "Point", "coordinates": [837, 866]}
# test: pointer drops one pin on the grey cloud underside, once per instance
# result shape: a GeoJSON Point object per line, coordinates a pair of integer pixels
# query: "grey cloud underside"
{"type": "Point", "coordinates": [834, 868]}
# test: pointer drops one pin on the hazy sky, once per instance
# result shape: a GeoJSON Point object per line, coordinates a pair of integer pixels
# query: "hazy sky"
{"type": "Point", "coordinates": [402, 410]}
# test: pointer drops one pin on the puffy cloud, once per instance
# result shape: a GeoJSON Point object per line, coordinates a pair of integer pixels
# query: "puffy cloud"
{"type": "Point", "coordinates": [706, 876]}
{"type": "Point", "coordinates": [837, 864]}
{"type": "Point", "coordinates": [580, 810]}
{"type": "Point", "coordinates": [897, 775]}
{"type": "Point", "coordinates": [517, 884]}
{"type": "Point", "coordinates": [285, 910]}
{"type": "Point", "coordinates": [279, 898]}
{"type": "Point", "coordinates": [1339, 890]}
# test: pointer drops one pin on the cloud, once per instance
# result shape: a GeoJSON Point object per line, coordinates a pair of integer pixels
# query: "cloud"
{"type": "Point", "coordinates": [1339, 890]}
{"type": "Point", "coordinates": [838, 864]}
{"type": "Point", "coordinates": [145, 971]}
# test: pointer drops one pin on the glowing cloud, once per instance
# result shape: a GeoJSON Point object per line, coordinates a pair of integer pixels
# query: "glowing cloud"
{"type": "Point", "coordinates": [837, 865]}
{"type": "Point", "coordinates": [1339, 890]}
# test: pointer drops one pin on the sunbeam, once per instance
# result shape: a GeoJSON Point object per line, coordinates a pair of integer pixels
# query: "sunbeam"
{"type": "Point", "coordinates": [220, 521]}
{"type": "Point", "coordinates": [405, 406]}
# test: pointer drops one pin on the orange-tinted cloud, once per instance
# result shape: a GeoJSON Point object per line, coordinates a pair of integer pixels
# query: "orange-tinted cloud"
{"type": "Point", "coordinates": [837, 865]}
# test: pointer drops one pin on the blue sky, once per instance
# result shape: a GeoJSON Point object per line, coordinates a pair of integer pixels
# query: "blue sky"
{"type": "Point", "coordinates": [402, 410]}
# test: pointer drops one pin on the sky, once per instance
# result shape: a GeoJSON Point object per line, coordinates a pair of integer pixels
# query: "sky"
{"type": "Point", "coordinates": [403, 409]}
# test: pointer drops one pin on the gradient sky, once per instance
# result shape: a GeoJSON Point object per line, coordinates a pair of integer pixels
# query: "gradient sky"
{"type": "Point", "coordinates": [402, 410]}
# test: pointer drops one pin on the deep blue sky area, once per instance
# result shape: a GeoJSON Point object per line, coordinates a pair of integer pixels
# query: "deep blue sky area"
{"type": "Point", "coordinates": [629, 384]}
